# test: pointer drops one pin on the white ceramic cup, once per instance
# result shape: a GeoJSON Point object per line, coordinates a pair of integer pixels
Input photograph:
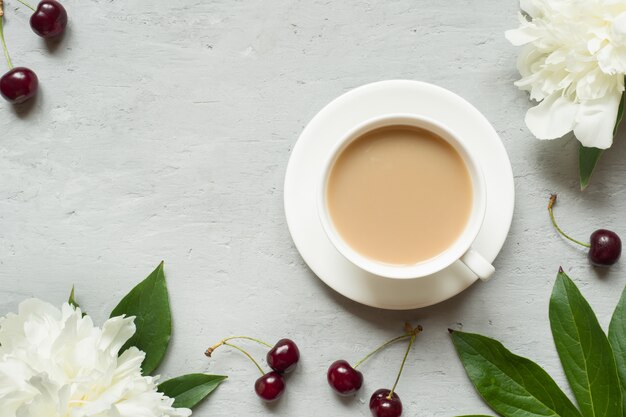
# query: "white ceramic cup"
{"type": "Point", "coordinates": [461, 250]}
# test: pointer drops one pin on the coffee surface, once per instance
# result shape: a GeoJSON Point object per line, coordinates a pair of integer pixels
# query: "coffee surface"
{"type": "Point", "coordinates": [399, 195]}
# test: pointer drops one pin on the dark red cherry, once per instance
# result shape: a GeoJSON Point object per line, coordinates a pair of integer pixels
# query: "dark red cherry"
{"type": "Point", "coordinates": [606, 248]}
{"type": "Point", "coordinates": [49, 20]}
{"type": "Point", "coordinates": [284, 356]}
{"type": "Point", "coordinates": [343, 378]}
{"type": "Point", "coordinates": [19, 85]}
{"type": "Point", "coordinates": [383, 406]}
{"type": "Point", "coordinates": [270, 386]}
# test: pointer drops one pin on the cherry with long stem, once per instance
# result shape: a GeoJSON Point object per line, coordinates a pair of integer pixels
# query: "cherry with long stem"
{"type": "Point", "coordinates": [605, 247]}
{"type": "Point", "coordinates": [283, 357]}
{"type": "Point", "coordinates": [271, 385]}
{"type": "Point", "coordinates": [384, 402]}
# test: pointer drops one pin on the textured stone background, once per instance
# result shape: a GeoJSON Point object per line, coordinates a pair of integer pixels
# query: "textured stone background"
{"type": "Point", "coordinates": [163, 131]}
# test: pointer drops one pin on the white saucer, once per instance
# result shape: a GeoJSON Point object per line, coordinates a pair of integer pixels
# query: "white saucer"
{"type": "Point", "coordinates": [306, 163]}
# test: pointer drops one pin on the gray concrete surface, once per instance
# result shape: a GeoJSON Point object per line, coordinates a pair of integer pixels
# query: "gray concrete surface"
{"type": "Point", "coordinates": [163, 131]}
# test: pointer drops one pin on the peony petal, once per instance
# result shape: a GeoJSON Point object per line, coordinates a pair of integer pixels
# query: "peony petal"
{"type": "Point", "coordinates": [595, 44]}
{"type": "Point", "coordinates": [35, 323]}
{"type": "Point", "coordinates": [595, 84]}
{"type": "Point", "coordinates": [34, 306]}
{"type": "Point", "coordinates": [552, 118]}
{"type": "Point", "coordinates": [529, 56]}
{"type": "Point", "coordinates": [14, 387]}
{"type": "Point", "coordinates": [595, 121]}
{"type": "Point", "coordinates": [612, 59]}
{"type": "Point", "coordinates": [618, 29]}
{"type": "Point", "coordinates": [115, 332]}
{"type": "Point", "coordinates": [522, 35]}
{"type": "Point", "coordinates": [129, 363]}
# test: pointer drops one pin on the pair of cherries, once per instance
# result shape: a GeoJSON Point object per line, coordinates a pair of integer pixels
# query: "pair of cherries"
{"type": "Point", "coordinates": [346, 380]}
{"type": "Point", "coordinates": [282, 358]}
{"type": "Point", "coordinates": [48, 20]}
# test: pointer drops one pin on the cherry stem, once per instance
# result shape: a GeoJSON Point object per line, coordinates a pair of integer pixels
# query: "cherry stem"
{"type": "Point", "coordinates": [381, 347]}
{"type": "Point", "coordinates": [247, 354]}
{"type": "Point", "coordinates": [210, 350]}
{"type": "Point", "coordinates": [4, 44]}
{"type": "Point", "coordinates": [406, 354]}
{"type": "Point", "coordinates": [248, 338]}
{"type": "Point", "coordinates": [556, 226]}
{"type": "Point", "coordinates": [225, 341]}
{"type": "Point", "coordinates": [27, 5]}
{"type": "Point", "coordinates": [409, 331]}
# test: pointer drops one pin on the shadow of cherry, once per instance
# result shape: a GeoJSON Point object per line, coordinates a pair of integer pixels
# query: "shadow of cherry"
{"type": "Point", "coordinates": [53, 44]}
{"type": "Point", "coordinates": [24, 110]}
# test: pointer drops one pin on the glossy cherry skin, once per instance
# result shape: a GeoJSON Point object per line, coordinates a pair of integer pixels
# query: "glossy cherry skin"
{"type": "Point", "coordinates": [381, 406]}
{"type": "Point", "coordinates": [343, 378]}
{"type": "Point", "coordinates": [284, 356]}
{"type": "Point", "coordinates": [270, 386]}
{"type": "Point", "coordinates": [606, 248]}
{"type": "Point", "coordinates": [49, 20]}
{"type": "Point", "coordinates": [19, 85]}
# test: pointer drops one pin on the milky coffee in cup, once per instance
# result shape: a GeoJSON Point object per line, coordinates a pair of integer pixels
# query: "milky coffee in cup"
{"type": "Point", "coordinates": [399, 194]}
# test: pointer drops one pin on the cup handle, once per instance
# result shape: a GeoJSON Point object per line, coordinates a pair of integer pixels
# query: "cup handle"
{"type": "Point", "coordinates": [474, 261]}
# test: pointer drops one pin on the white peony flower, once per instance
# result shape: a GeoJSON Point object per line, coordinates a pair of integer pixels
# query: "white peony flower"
{"type": "Point", "coordinates": [55, 363]}
{"type": "Point", "coordinates": [573, 63]}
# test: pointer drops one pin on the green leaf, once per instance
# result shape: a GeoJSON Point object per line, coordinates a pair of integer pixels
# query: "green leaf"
{"type": "Point", "coordinates": [617, 338]}
{"type": "Point", "coordinates": [587, 161]}
{"type": "Point", "coordinates": [585, 352]}
{"type": "Point", "coordinates": [513, 386]}
{"type": "Point", "coordinates": [72, 299]}
{"type": "Point", "coordinates": [588, 157]}
{"type": "Point", "coordinates": [189, 390]}
{"type": "Point", "coordinates": [149, 303]}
